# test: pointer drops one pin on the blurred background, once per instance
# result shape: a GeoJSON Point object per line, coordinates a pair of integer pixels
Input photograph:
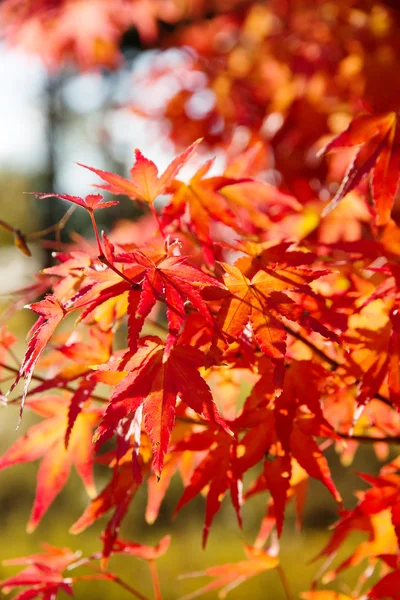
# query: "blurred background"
{"type": "Point", "coordinates": [285, 74]}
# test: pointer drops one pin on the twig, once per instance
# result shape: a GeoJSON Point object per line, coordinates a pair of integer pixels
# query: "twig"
{"type": "Point", "coordinates": [7, 226]}
{"type": "Point", "coordinates": [325, 357]}
{"type": "Point", "coordinates": [331, 361]}
{"type": "Point", "coordinates": [66, 387]}
{"type": "Point", "coordinates": [57, 228]}
{"type": "Point", "coordinates": [387, 439]}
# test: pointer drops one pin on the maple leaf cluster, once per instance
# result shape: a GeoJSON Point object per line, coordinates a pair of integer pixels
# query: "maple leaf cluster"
{"type": "Point", "coordinates": [88, 33]}
{"type": "Point", "coordinates": [279, 276]}
{"type": "Point", "coordinates": [209, 297]}
{"type": "Point", "coordinates": [289, 74]}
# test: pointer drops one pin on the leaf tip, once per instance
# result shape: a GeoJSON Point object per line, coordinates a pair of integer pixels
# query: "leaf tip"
{"type": "Point", "coordinates": [31, 526]}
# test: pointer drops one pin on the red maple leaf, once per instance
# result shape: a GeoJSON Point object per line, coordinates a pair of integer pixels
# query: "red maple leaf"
{"type": "Point", "coordinates": [152, 386]}
{"type": "Point", "coordinates": [117, 495]}
{"type": "Point", "coordinates": [171, 279]}
{"type": "Point", "coordinates": [287, 431]}
{"type": "Point", "coordinates": [43, 575]}
{"type": "Point", "coordinates": [91, 202]}
{"type": "Point", "coordinates": [51, 313]}
{"type": "Point", "coordinates": [379, 154]}
{"type": "Point", "coordinates": [241, 203]}
{"type": "Point", "coordinates": [387, 587]}
{"type": "Point", "coordinates": [215, 472]}
{"type": "Point", "coordinates": [148, 553]}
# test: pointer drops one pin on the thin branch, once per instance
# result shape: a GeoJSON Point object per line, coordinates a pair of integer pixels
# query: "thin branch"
{"type": "Point", "coordinates": [387, 439]}
{"type": "Point", "coordinates": [66, 387]}
{"type": "Point", "coordinates": [395, 439]}
{"type": "Point", "coordinates": [334, 364]}
{"type": "Point", "coordinates": [14, 357]}
{"type": "Point", "coordinates": [162, 328]}
{"type": "Point", "coordinates": [57, 228]}
{"type": "Point", "coordinates": [325, 357]}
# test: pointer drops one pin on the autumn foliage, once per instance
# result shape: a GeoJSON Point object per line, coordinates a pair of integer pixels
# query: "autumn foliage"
{"type": "Point", "coordinates": [281, 271]}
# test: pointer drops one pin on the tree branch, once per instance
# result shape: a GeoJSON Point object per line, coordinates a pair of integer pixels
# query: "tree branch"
{"type": "Point", "coordinates": [334, 364]}
{"type": "Point", "coordinates": [386, 439]}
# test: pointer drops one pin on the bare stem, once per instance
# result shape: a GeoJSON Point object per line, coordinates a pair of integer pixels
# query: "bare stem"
{"type": "Point", "coordinates": [155, 215]}
{"type": "Point", "coordinates": [285, 583]}
{"type": "Point", "coordinates": [115, 579]}
{"type": "Point", "coordinates": [57, 227]}
{"type": "Point", "coordinates": [126, 586]}
{"type": "Point", "coordinates": [102, 258]}
{"type": "Point", "coordinates": [96, 233]}
{"type": "Point", "coordinates": [387, 439]}
{"type": "Point", "coordinates": [155, 580]}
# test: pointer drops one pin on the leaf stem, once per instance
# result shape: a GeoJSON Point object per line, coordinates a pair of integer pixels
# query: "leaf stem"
{"type": "Point", "coordinates": [285, 583]}
{"type": "Point", "coordinates": [157, 218]}
{"type": "Point", "coordinates": [126, 586]}
{"type": "Point", "coordinates": [102, 257]}
{"type": "Point", "coordinates": [116, 579]}
{"type": "Point", "coordinates": [96, 232]}
{"type": "Point", "coordinates": [155, 580]}
{"type": "Point", "coordinates": [57, 227]}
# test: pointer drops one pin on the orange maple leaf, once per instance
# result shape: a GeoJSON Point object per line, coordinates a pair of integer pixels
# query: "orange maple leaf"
{"type": "Point", "coordinates": [145, 183]}
{"type": "Point", "coordinates": [46, 440]}
{"type": "Point", "coordinates": [231, 575]}
{"type": "Point", "coordinates": [262, 302]}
